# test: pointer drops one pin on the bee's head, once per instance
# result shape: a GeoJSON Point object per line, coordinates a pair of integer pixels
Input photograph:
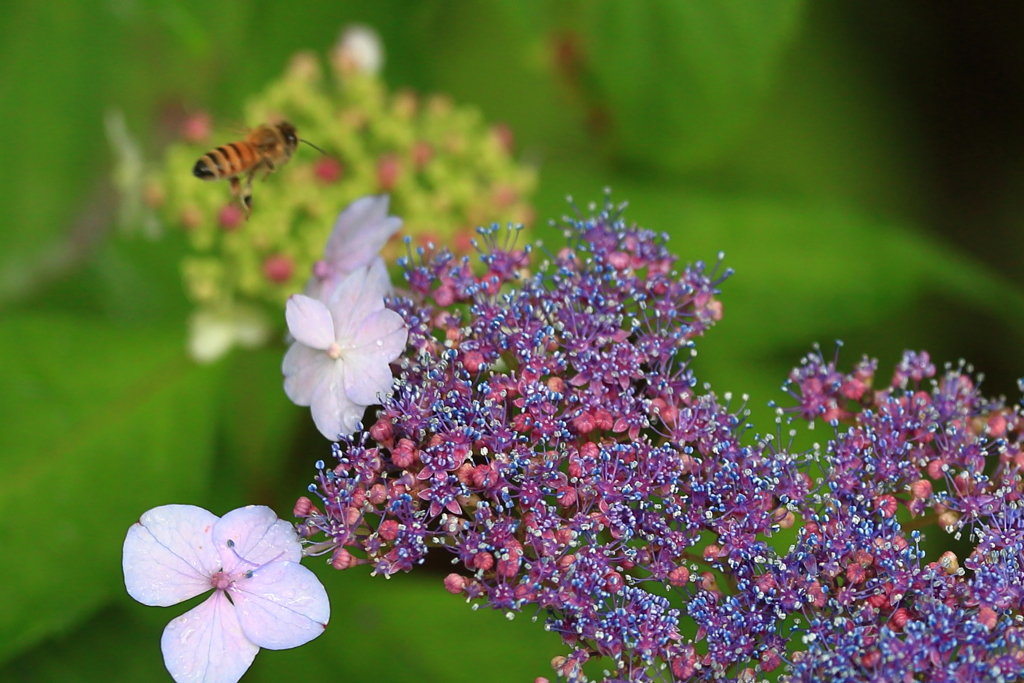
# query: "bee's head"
{"type": "Point", "coordinates": [290, 135]}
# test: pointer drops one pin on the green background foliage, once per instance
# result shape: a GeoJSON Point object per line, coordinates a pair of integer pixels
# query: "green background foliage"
{"type": "Point", "coordinates": [767, 130]}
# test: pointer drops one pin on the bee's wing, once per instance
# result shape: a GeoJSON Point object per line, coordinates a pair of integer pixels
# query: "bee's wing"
{"type": "Point", "coordinates": [265, 137]}
{"type": "Point", "coordinates": [238, 130]}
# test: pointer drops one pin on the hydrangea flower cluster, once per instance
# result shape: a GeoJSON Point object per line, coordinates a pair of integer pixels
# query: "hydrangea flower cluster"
{"type": "Point", "coordinates": [926, 451]}
{"type": "Point", "coordinates": [444, 166]}
{"type": "Point", "coordinates": [545, 430]}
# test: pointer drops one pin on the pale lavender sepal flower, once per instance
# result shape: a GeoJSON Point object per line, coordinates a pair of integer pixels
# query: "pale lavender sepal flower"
{"type": "Point", "coordinates": [360, 232]}
{"type": "Point", "coordinates": [175, 552]}
{"type": "Point", "coordinates": [340, 361]}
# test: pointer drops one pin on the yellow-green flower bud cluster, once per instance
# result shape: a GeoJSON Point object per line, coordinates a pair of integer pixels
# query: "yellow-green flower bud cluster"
{"type": "Point", "coordinates": [446, 170]}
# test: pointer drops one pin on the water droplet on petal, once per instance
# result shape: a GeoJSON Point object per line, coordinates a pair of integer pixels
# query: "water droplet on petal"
{"type": "Point", "coordinates": [380, 342]}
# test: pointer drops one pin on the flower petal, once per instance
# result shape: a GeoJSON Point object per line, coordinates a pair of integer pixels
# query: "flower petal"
{"type": "Point", "coordinates": [303, 368]}
{"type": "Point", "coordinates": [207, 645]}
{"type": "Point", "coordinates": [382, 335]}
{"type": "Point", "coordinates": [352, 418]}
{"type": "Point", "coordinates": [281, 605]}
{"type": "Point", "coordinates": [210, 336]}
{"type": "Point", "coordinates": [256, 537]}
{"type": "Point", "coordinates": [358, 296]}
{"type": "Point", "coordinates": [169, 555]}
{"type": "Point", "coordinates": [330, 405]}
{"type": "Point", "coordinates": [380, 340]}
{"type": "Point", "coordinates": [367, 379]}
{"type": "Point", "coordinates": [359, 234]}
{"type": "Point", "coordinates": [309, 321]}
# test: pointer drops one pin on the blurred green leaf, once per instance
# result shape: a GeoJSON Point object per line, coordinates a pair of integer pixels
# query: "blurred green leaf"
{"type": "Point", "coordinates": [405, 629]}
{"type": "Point", "coordinates": [257, 425]}
{"type": "Point", "coordinates": [101, 424]}
{"type": "Point", "coordinates": [489, 55]}
{"type": "Point", "coordinates": [678, 80]}
{"type": "Point", "coordinates": [409, 628]}
{"type": "Point", "coordinates": [49, 63]}
{"type": "Point", "coordinates": [826, 130]}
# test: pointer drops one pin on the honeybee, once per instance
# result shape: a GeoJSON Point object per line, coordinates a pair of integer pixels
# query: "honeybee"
{"type": "Point", "coordinates": [265, 148]}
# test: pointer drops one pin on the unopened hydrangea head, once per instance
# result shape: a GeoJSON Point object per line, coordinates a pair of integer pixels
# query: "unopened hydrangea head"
{"type": "Point", "coordinates": [545, 430]}
{"type": "Point", "coordinates": [445, 168]}
{"type": "Point", "coordinates": [262, 596]}
{"type": "Point", "coordinates": [340, 361]}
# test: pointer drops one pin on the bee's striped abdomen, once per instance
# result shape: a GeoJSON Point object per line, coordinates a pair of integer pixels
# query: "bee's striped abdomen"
{"type": "Point", "coordinates": [226, 161]}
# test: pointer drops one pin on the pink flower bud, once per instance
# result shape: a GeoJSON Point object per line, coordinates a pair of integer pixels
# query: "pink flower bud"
{"type": "Point", "coordinates": [564, 536]}
{"type": "Point", "coordinates": [603, 419]}
{"type": "Point", "coordinates": [422, 153]}
{"type": "Point", "coordinates": [886, 505]}
{"type": "Point", "coordinates": [483, 561]}
{"type": "Point", "coordinates": [303, 506]}
{"type": "Point", "coordinates": [997, 425]}
{"type": "Point", "coordinates": [708, 582]}
{"type": "Point", "coordinates": [566, 496]}
{"type": "Point", "coordinates": [949, 562]}
{"type": "Point", "coordinates": [454, 583]}
{"type": "Point", "coordinates": [196, 128]}
{"type": "Point", "coordinates": [382, 431]}
{"type": "Point", "coordinates": [473, 361]}
{"type": "Point", "coordinates": [817, 594]}
{"type": "Point", "coordinates": [618, 260]}
{"type": "Point", "coordinates": [613, 582]}
{"type": "Point", "coordinates": [765, 582]}
{"type": "Point", "coordinates": [503, 134]}
{"type": "Point", "coordinates": [921, 489]}
{"type": "Point", "coordinates": [949, 518]}
{"type": "Point", "coordinates": [869, 660]}
{"type": "Point", "coordinates": [770, 660]}
{"type": "Point", "coordinates": [389, 168]}
{"type": "Point", "coordinates": [715, 310]}
{"type": "Point", "coordinates": [583, 424]}
{"type": "Point", "coordinates": [328, 170]}
{"type": "Point", "coordinates": [278, 268]}
{"type": "Point", "coordinates": [388, 530]}
{"type": "Point", "coordinates": [444, 295]}
{"type": "Point", "coordinates": [853, 389]}
{"type": "Point", "coordinates": [404, 454]}
{"type": "Point", "coordinates": [343, 559]}
{"type": "Point", "coordinates": [507, 569]}
{"type": "Point", "coordinates": [899, 619]}
{"type": "Point", "coordinates": [230, 217]}
{"type": "Point", "coordinates": [679, 576]}
{"type": "Point", "coordinates": [378, 494]}
{"type": "Point", "coordinates": [352, 515]}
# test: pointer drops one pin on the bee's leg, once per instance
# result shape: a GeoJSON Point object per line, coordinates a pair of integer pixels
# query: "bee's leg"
{"type": "Point", "coordinates": [236, 187]}
{"type": "Point", "coordinates": [246, 192]}
{"type": "Point", "coordinates": [268, 168]}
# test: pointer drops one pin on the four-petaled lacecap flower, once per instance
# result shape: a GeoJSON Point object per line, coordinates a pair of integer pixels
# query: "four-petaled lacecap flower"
{"type": "Point", "coordinates": [360, 232]}
{"type": "Point", "coordinates": [262, 596]}
{"type": "Point", "coordinates": [339, 363]}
